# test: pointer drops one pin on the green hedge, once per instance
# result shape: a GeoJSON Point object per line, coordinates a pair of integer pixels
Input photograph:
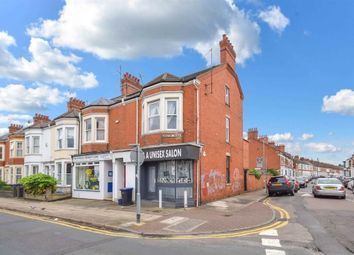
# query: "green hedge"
{"type": "Point", "coordinates": [256, 173]}
{"type": "Point", "coordinates": [38, 184]}
{"type": "Point", "coordinates": [5, 186]}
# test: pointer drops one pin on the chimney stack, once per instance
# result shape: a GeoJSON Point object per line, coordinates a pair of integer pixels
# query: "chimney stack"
{"type": "Point", "coordinates": [39, 118]}
{"type": "Point", "coordinates": [253, 133]}
{"type": "Point", "coordinates": [14, 127]}
{"type": "Point", "coordinates": [130, 84]}
{"type": "Point", "coordinates": [281, 147]}
{"type": "Point", "coordinates": [227, 52]}
{"type": "Point", "coordinates": [75, 104]}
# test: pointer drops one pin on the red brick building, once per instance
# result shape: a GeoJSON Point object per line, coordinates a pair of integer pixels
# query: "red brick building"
{"type": "Point", "coordinates": [190, 130]}
{"type": "Point", "coordinates": [11, 155]}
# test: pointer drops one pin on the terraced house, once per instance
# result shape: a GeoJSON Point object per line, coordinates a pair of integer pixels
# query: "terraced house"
{"type": "Point", "coordinates": [189, 127]}
{"type": "Point", "coordinates": [11, 154]}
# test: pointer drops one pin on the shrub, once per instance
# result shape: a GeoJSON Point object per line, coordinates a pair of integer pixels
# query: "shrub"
{"type": "Point", "coordinates": [5, 186]}
{"type": "Point", "coordinates": [256, 173]}
{"type": "Point", "coordinates": [272, 172]}
{"type": "Point", "coordinates": [38, 184]}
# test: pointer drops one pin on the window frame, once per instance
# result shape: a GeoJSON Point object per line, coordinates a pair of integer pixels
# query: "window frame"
{"type": "Point", "coordinates": [28, 145]}
{"type": "Point", "coordinates": [163, 98]}
{"type": "Point", "coordinates": [2, 153]}
{"type": "Point", "coordinates": [154, 116]}
{"type": "Point", "coordinates": [100, 129]}
{"type": "Point", "coordinates": [19, 155]}
{"type": "Point", "coordinates": [227, 168]}
{"type": "Point", "coordinates": [227, 95]}
{"type": "Point", "coordinates": [60, 139]}
{"type": "Point", "coordinates": [67, 138]}
{"type": "Point", "coordinates": [227, 129]}
{"type": "Point", "coordinates": [167, 100]}
{"type": "Point", "coordinates": [33, 144]}
{"type": "Point", "coordinates": [93, 131]}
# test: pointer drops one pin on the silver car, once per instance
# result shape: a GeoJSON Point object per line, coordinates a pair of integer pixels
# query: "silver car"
{"type": "Point", "coordinates": [328, 187]}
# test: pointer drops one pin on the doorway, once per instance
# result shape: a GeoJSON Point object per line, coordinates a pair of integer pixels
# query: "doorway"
{"type": "Point", "coordinates": [245, 171]}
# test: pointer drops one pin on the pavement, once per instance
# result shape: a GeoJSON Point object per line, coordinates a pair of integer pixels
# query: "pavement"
{"type": "Point", "coordinates": [245, 211]}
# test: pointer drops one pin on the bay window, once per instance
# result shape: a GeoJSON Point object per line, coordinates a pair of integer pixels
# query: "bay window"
{"type": "Point", "coordinates": [154, 115]}
{"type": "Point", "coordinates": [88, 129]}
{"type": "Point", "coordinates": [2, 157]}
{"type": "Point", "coordinates": [70, 142]}
{"type": "Point", "coordinates": [35, 144]}
{"type": "Point", "coordinates": [171, 114]}
{"type": "Point", "coordinates": [100, 128]}
{"type": "Point", "coordinates": [28, 145]}
{"type": "Point", "coordinates": [95, 129]}
{"type": "Point", "coordinates": [19, 149]}
{"type": "Point", "coordinates": [60, 138]}
{"type": "Point", "coordinates": [163, 112]}
{"type": "Point", "coordinates": [12, 149]}
{"type": "Point", "coordinates": [18, 174]}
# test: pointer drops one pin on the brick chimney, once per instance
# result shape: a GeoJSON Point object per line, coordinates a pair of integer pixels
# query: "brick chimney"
{"type": "Point", "coordinates": [227, 52]}
{"type": "Point", "coordinates": [14, 127]}
{"type": "Point", "coordinates": [272, 144]}
{"type": "Point", "coordinates": [281, 147]}
{"type": "Point", "coordinates": [130, 84]}
{"type": "Point", "coordinates": [75, 104]}
{"type": "Point", "coordinates": [264, 139]}
{"type": "Point", "coordinates": [39, 118]}
{"type": "Point", "coordinates": [253, 133]}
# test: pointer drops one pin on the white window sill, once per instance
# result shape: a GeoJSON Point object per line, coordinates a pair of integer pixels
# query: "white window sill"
{"type": "Point", "coordinates": [168, 131]}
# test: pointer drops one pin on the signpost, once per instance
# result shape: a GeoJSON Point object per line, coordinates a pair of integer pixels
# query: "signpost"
{"type": "Point", "coordinates": [137, 156]}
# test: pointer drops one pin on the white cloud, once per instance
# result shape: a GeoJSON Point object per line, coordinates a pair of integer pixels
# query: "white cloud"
{"type": "Point", "coordinates": [306, 136]}
{"type": "Point", "coordinates": [3, 131]}
{"type": "Point", "coordinates": [274, 18]}
{"type": "Point", "coordinates": [286, 137]}
{"type": "Point", "coordinates": [353, 143]}
{"type": "Point", "coordinates": [47, 64]}
{"type": "Point", "coordinates": [18, 98]}
{"type": "Point", "coordinates": [293, 148]}
{"type": "Point", "coordinates": [14, 118]}
{"type": "Point", "coordinates": [119, 29]}
{"type": "Point", "coordinates": [322, 147]}
{"type": "Point", "coordinates": [342, 102]}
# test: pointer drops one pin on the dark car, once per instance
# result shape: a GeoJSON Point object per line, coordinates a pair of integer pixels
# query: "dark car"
{"type": "Point", "coordinates": [302, 182]}
{"type": "Point", "coordinates": [280, 185]}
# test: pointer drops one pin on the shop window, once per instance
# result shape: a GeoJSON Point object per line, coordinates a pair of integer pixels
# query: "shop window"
{"type": "Point", "coordinates": [70, 143]}
{"type": "Point", "coordinates": [154, 115]}
{"type": "Point", "coordinates": [168, 193]}
{"type": "Point", "coordinates": [100, 128]}
{"type": "Point", "coordinates": [18, 174]}
{"type": "Point", "coordinates": [228, 179]}
{"type": "Point", "coordinates": [87, 178]}
{"type": "Point", "coordinates": [35, 144]}
{"type": "Point", "coordinates": [166, 172]}
{"type": "Point", "coordinates": [180, 193]}
{"type": "Point", "coordinates": [184, 171]}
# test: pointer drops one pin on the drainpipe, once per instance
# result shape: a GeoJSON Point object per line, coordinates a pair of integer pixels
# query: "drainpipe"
{"type": "Point", "coordinates": [80, 135]}
{"type": "Point", "coordinates": [196, 84]}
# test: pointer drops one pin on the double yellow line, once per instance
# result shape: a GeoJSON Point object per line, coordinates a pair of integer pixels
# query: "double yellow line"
{"type": "Point", "coordinates": [282, 222]}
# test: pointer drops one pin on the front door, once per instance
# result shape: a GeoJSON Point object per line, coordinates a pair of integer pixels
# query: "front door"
{"type": "Point", "coordinates": [151, 184]}
{"type": "Point", "coordinates": [245, 179]}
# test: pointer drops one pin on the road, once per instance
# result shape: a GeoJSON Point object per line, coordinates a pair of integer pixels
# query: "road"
{"type": "Point", "coordinates": [317, 226]}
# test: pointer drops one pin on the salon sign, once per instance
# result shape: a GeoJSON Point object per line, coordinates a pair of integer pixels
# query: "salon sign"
{"type": "Point", "coordinates": [171, 152]}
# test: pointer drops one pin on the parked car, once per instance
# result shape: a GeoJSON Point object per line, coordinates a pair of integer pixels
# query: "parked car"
{"type": "Point", "coordinates": [302, 182]}
{"type": "Point", "coordinates": [328, 187]}
{"type": "Point", "coordinates": [350, 185]}
{"type": "Point", "coordinates": [346, 180]}
{"type": "Point", "coordinates": [280, 185]}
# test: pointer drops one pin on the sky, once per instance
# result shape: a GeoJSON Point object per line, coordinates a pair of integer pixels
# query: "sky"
{"type": "Point", "coordinates": [295, 59]}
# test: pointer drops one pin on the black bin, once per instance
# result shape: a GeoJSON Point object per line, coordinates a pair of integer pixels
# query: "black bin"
{"type": "Point", "coordinates": [17, 190]}
{"type": "Point", "coordinates": [127, 195]}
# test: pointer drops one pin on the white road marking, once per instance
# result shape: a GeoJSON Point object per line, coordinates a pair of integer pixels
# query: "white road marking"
{"type": "Point", "coordinates": [269, 232]}
{"type": "Point", "coordinates": [274, 252]}
{"type": "Point", "coordinates": [173, 220]}
{"type": "Point", "coordinates": [220, 204]}
{"type": "Point", "coordinates": [271, 242]}
{"type": "Point", "coordinates": [306, 195]}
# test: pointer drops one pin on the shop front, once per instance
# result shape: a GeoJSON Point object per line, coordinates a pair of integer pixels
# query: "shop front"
{"type": "Point", "coordinates": [171, 171]}
{"type": "Point", "coordinates": [93, 176]}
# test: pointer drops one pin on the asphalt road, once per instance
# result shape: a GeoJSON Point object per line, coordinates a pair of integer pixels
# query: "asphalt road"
{"type": "Point", "coordinates": [317, 226]}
